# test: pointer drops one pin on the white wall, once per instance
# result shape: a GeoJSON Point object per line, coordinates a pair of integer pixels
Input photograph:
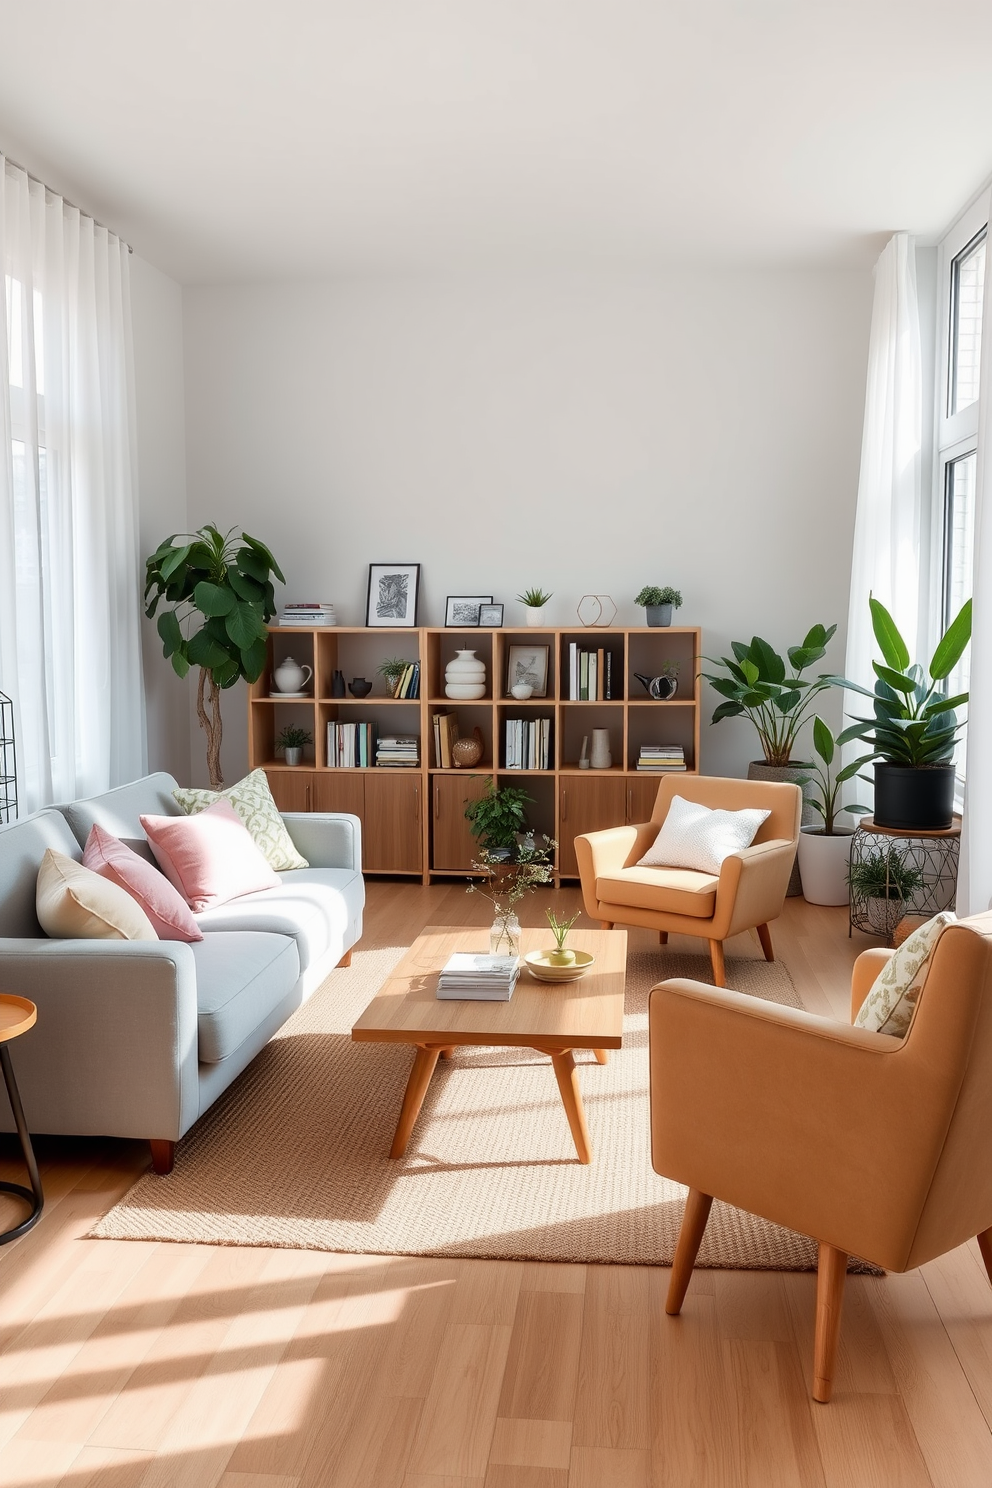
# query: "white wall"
{"type": "Point", "coordinates": [699, 428]}
{"type": "Point", "coordinates": [157, 316]}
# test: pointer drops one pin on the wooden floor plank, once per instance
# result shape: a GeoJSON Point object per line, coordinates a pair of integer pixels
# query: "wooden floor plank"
{"type": "Point", "coordinates": [612, 1405]}
{"type": "Point", "coordinates": [531, 1443]}
{"type": "Point", "coordinates": [543, 1364]}
{"type": "Point", "coordinates": [459, 1415]}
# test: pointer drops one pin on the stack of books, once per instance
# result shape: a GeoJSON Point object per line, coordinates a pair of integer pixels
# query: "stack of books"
{"type": "Point", "coordinates": [350, 746]}
{"type": "Point", "coordinates": [307, 613]}
{"type": "Point", "coordinates": [590, 675]}
{"type": "Point", "coordinates": [661, 759]}
{"type": "Point", "coordinates": [398, 750]}
{"type": "Point", "coordinates": [479, 978]}
{"type": "Point", "coordinates": [445, 734]}
{"type": "Point", "coordinates": [409, 682]}
{"type": "Point", "coordinates": [528, 743]}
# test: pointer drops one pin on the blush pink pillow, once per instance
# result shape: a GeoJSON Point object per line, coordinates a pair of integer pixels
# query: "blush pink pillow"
{"type": "Point", "coordinates": [210, 858]}
{"type": "Point", "coordinates": [165, 906]}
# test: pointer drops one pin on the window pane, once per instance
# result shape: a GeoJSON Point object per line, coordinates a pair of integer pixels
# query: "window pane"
{"type": "Point", "coordinates": [959, 531]}
{"type": "Point", "coordinates": [967, 285]}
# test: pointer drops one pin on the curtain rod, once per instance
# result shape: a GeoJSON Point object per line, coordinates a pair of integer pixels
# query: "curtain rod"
{"type": "Point", "coordinates": [62, 197]}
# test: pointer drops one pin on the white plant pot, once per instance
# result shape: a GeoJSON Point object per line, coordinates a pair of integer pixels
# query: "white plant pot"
{"type": "Point", "coordinates": [823, 865]}
{"type": "Point", "coordinates": [534, 616]}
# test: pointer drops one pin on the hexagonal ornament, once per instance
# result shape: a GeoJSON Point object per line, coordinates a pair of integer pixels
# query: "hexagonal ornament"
{"type": "Point", "coordinates": [596, 611]}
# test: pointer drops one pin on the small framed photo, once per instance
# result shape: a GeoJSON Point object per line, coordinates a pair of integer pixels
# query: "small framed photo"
{"type": "Point", "coordinates": [528, 664]}
{"type": "Point", "coordinates": [393, 594]}
{"type": "Point", "coordinates": [491, 614]}
{"type": "Point", "coordinates": [462, 610]}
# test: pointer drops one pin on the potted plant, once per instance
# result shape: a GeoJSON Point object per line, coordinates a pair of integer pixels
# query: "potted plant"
{"type": "Point", "coordinates": [659, 603]}
{"type": "Point", "coordinates": [915, 727]}
{"type": "Point", "coordinates": [292, 742]}
{"type": "Point", "coordinates": [824, 851]}
{"type": "Point", "coordinates": [534, 601]}
{"type": "Point", "coordinates": [392, 670]}
{"type": "Point", "coordinates": [885, 884]}
{"type": "Point", "coordinates": [497, 817]}
{"type": "Point", "coordinates": [559, 929]}
{"type": "Point", "coordinates": [505, 883]}
{"type": "Point", "coordinates": [222, 585]}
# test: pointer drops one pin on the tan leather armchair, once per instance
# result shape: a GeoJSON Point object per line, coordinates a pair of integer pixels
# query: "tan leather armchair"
{"type": "Point", "coordinates": [873, 1145]}
{"type": "Point", "coordinates": [748, 893]}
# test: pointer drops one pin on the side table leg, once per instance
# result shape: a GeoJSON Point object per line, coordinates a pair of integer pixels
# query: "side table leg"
{"type": "Point", "coordinates": [416, 1089]}
{"type": "Point", "coordinates": [32, 1195]}
{"type": "Point", "coordinates": [571, 1098]}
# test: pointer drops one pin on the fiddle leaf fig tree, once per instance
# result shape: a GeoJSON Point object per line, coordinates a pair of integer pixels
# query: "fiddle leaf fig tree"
{"type": "Point", "coordinates": [217, 596]}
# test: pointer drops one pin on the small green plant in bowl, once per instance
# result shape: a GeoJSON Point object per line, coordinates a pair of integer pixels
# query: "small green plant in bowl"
{"type": "Point", "coordinates": [392, 670]}
{"type": "Point", "coordinates": [292, 742]}
{"type": "Point", "coordinates": [559, 929]}
{"type": "Point", "coordinates": [659, 602]}
{"type": "Point", "coordinates": [883, 875]}
{"type": "Point", "coordinates": [497, 817]}
{"type": "Point", "coordinates": [533, 601]}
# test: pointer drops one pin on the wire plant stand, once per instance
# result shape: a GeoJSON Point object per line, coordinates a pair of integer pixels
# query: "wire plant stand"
{"type": "Point", "coordinates": [8, 762]}
{"type": "Point", "coordinates": [933, 855]}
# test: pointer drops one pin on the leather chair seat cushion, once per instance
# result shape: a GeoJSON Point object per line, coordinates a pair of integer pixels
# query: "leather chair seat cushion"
{"type": "Point", "coordinates": [240, 978]}
{"type": "Point", "coordinates": [315, 906]}
{"type": "Point", "coordinates": [664, 890]}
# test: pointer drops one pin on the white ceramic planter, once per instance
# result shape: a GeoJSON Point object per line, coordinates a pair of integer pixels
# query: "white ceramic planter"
{"type": "Point", "coordinates": [534, 616]}
{"type": "Point", "coordinates": [465, 677]}
{"type": "Point", "coordinates": [823, 865]}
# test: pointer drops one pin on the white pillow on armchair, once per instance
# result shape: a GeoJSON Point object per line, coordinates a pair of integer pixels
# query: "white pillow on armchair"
{"type": "Point", "coordinates": [694, 836]}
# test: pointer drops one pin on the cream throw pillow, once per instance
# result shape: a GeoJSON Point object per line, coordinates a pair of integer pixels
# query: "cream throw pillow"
{"type": "Point", "coordinates": [891, 1003]}
{"type": "Point", "coordinates": [252, 800]}
{"type": "Point", "coordinates": [74, 903]}
{"type": "Point", "coordinates": [693, 836]}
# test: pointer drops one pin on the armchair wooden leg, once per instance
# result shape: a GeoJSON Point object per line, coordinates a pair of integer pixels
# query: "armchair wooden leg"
{"type": "Point", "coordinates": [163, 1156]}
{"type": "Point", "coordinates": [985, 1246]}
{"type": "Point", "coordinates": [663, 937]}
{"type": "Point", "coordinates": [765, 936]}
{"type": "Point", "coordinates": [830, 1277]}
{"type": "Point", "coordinates": [719, 969]}
{"type": "Point", "coordinates": [697, 1212]}
{"type": "Point", "coordinates": [606, 924]}
{"type": "Point", "coordinates": [345, 959]}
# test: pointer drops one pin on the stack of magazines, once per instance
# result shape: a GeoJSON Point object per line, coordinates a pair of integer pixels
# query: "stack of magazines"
{"type": "Point", "coordinates": [479, 978]}
{"type": "Point", "coordinates": [308, 613]}
{"type": "Point", "coordinates": [397, 750]}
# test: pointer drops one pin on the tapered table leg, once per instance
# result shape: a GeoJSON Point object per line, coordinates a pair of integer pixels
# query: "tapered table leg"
{"type": "Point", "coordinates": [571, 1098]}
{"type": "Point", "coordinates": [416, 1089]}
{"type": "Point", "coordinates": [602, 1056]}
{"type": "Point", "coordinates": [33, 1195]}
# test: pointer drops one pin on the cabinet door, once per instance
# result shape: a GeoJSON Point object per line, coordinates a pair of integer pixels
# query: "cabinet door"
{"type": "Point", "coordinates": [392, 837]}
{"type": "Point", "coordinates": [641, 794]}
{"type": "Point", "coordinates": [586, 803]}
{"type": "Point", "coordinates": [292, 790]}
{"type": "Point", "coordinates": [454, 847]}
{"type": "Point", "coordinates": [339, 790]}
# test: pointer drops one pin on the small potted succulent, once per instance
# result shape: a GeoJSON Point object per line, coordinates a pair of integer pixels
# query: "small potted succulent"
{"type": "Point", "coordinates": [392, 670]}
{"type": "Point", "coordinates": [825, 849]}
{"type": "Point", "coordinates": [559, 929]}
{"type": "Point", "coordinates": [292, 742]}
{"type": "Point", "coordinates": [534, 601]}
{"type": "Point", "coordinates": [884, 883]}
{"type": "Point", "coordinates": [659, 603]}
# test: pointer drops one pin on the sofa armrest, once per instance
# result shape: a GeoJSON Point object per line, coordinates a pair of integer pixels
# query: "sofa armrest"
{"type": "Point", "coordinates": [327, 839]}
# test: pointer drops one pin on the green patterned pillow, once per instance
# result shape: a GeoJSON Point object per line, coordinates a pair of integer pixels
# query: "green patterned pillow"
{"type": "Point", "coordinates": [890, 1004]}
{"type": "Point", "coordinates": [252, 800]}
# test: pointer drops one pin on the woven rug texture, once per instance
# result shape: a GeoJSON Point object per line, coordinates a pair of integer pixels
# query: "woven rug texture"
{"type": "Point", "coordinates": [295, 1152]}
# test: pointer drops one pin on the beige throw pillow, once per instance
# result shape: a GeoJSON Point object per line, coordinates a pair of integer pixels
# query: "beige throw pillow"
{"type": "Point", "coordinates": [891, 1003]}
{"type": "Point", "coordinates": [74, 903]}
{"type": "Point", "coordinates": [252, 800]}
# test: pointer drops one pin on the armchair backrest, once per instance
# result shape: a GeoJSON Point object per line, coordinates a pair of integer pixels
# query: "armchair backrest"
{"type": "Point", "coordinates": [783, 799]}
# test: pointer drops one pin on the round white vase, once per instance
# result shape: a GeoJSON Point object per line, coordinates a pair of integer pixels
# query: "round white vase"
{"type": "Point", "coordinates": [465, 677]}
{"type": "Point", "coordinates": [823, 864]}
{"type": "Point", "coordinates": [533, 615]}
{"type": "Point", "coordinates": [600, 757]}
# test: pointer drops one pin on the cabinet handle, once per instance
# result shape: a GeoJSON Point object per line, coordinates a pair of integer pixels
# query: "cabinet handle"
{"type": "Point", "coordinates": [308, 807]}
{"type": "Point", "coordinates": [564, 804]}
{"type": "Point", "coordinates": [437, 801]}
{"type": "Point", "coordinates": [416, 803]}
{"type": "Point", "coordinates": [630, 802]}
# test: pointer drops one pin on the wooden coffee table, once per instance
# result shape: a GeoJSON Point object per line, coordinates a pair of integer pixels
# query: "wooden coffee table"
{"type": "Point", "coordinates": [555, 1018]}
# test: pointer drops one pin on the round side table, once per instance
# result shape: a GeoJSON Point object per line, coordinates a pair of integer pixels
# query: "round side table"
{"type": "Point", "coordinates": [17, 1015]}
{"type": "Point", "coordinates": [933, 856]}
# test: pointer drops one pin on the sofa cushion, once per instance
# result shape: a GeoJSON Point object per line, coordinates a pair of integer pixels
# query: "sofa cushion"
{"type": "Point", "coordinates": [313, 905]}
{"type": "Point", "coordinates": [252, 800]}
{"type": "Point", "coordinates": [666, 890]}
{"type": "Point", "coordinates": [74, 903]}
{"type": "Point", "coordinates": [210, 857]}
{"type": "Point", "coordinates": [170, 915]}
{"type": "Point", "coordinates": [240, 978]}
{"type": "Point", "coordinates": [119, 811]}
{"type": "Point", "coordinates": [22, 846]}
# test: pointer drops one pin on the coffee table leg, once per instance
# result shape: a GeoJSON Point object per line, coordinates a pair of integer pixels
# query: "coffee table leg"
{"type": "Point", "coordinates": [568, 1083]}
{"type": "Point", "coordinates": [416, 1089]}
{"type": "Point", "coordinates": [602, 1055]}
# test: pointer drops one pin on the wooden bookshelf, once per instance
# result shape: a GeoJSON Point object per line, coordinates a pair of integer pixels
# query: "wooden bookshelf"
{"type": "Point", "coordinates": [413, 819]}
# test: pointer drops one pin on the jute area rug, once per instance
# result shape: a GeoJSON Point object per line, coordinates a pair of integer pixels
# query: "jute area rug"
{"type": "Point", "coordinates": [295, 1152]}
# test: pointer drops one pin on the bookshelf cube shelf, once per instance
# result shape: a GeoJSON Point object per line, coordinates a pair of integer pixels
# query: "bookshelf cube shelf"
{"type": "Point", "coordinates": [413, 817]}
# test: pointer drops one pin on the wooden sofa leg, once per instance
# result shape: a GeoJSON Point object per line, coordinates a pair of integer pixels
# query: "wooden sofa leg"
{"type": "Point", "coordinates": [662, 937]}
{"type": "Point", "coordinates": [163, 1156]}
{"type": "Point", "coordinates": [345, 959]}
{"type": "Point", "coordinates": [765, 936]}
{"type": "Point", "coordinates": [985, 1246]}
{"type": "Point", "coordinates": [697, 1212]}
{"type": "Point", "coordinates": [719, 968]}
{"type": "Point", "coordinates": [830, 1277]}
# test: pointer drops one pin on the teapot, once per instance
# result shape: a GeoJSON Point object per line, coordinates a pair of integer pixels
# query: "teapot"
{"type": "Point", "coordinates": [289, 677]}
{"type": "Point", "coordinates": [660, 688]}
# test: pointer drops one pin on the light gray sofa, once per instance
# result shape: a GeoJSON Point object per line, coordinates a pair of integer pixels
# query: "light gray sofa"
{"type": "Point", "coordinates": [139, 1038]}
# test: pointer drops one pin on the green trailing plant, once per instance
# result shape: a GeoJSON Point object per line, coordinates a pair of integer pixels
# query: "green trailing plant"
{"type": "Point", "coordinates": [651, 595]}
{"type": "Point", "coordinates": [498, 816]}
{"type": "Point", "coordinates": [915, 722]}
{"type": "Point", "coordinates": [757, 685]}
{"type": "Point", "coordinates": [218, 597]}
{"type": "Point", "coordinates": [294, 738]}
{"type": "Point", "coordinates": [535, 599]}
{"type": "Point", "coordinates": [825, 787]}
{"type": "Point", "coordinates": [882, 874]}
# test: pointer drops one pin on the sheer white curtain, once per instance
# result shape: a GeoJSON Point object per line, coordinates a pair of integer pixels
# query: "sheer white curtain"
{"type": "Point", "coordinates": [69, 563]}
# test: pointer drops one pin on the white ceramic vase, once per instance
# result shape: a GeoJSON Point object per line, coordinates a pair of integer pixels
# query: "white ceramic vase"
{"type": "Point", "coordinates": [465, 677]}
{"type": "Point", "coordinates": [533, 615]}
{"type": "Point", "coordinates": [823, 865]}
{"type": "Point", "coordinates": [600, 757]}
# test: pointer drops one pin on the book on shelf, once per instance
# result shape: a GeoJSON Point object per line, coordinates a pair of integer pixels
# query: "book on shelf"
{"type": "Point", "coordinates": [307, 614]}
{"type": "Point", "coordinates": [478, 978]}
{"type": "Point", "coordinates": [350, 746]}
{"type": "Point", "coordinates": [528, 743]}
{"type": "Point", "coordinates": [590, 674]}
{"type": "Point", "coordinates": [662, 759]}
{"type": "Point", "coordinates": [409, 683]}
{"type": "Point", "coordinates": [398, 751]}
{"type": "Point", "coordinates": [445, 727]}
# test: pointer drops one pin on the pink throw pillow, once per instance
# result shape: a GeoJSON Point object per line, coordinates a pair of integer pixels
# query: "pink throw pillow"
{"type": "Point", "coordinates": [165, 906]}
{"type": "Point", "coordinates": [211, 857]}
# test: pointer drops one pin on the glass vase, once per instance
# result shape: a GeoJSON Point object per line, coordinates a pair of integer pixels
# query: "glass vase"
{"type": "Point", "coordinates": [504, 935]}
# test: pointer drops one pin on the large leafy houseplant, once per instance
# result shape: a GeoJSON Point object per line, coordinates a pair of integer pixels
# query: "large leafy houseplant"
{"type": "Point", "coordinates": [498, 816]}
{"type": "Point", "coordinates": [218, 597]}
{"type": "Point", "coordinates": [757, 684]}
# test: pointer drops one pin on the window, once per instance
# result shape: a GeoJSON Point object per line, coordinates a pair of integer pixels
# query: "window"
{"type": "Point", "coordinates": [965, 350]}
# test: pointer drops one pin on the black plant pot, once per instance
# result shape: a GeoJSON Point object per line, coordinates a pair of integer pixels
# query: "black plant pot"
{"type": "Point", "coordinates": [914, 798]}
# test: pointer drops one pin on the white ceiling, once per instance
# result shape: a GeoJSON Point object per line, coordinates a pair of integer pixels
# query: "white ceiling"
{"type": "Point", "coordinates": [242, 139]}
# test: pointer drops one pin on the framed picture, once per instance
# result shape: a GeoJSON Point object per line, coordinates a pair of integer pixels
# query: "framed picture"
{"type": "Point", "coordinates": [491, 614]}
{"type": "Point", "coordinates": [528, 664]}
{"type": "Point", "coordinates": [393, 593]}
{"type": "Point", "coordinates": [462, 610]}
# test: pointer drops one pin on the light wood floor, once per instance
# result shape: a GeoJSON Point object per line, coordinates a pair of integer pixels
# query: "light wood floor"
{"type": "Point", "coordinates": [170, 1365]}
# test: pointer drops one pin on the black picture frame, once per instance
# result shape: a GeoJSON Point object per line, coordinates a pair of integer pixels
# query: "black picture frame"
{"type": "Point", "coordinates": [491, 615]}
{"type": "Point", "coordinates": [393, 597]}
{"type": "Point", "coordinates": [461, 611]}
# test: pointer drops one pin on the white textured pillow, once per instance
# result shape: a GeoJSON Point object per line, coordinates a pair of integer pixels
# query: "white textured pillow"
{"type": "Point", "coordinates": [693, 836]}
{"type": "Point", "coordinates": [252, 800]}
{"type": "Point", "coordinates": [891, 1003]}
